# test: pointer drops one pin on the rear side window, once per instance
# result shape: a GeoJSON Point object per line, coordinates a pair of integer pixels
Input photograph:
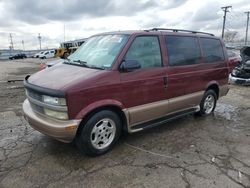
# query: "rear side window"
{"type": "Point", "coordinates": [212, 50]}
{"type": "Point", "coordinates": [146, 50]}
{"type": "Point", "coordinates": [182, 50]}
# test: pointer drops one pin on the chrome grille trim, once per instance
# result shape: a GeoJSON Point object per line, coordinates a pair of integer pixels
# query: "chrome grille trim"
{"type": "Point", "coordinates": [37, 103]}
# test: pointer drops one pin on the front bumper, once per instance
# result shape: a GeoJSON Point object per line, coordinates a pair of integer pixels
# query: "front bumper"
{"type": "Point", "coordinates": [64, 131]}
{"type": "Point", "coordinates": [237, 80]}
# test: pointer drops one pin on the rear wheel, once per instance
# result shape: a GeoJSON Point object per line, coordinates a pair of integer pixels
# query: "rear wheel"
{"type": "Point", "coordinates": [99, 134]}
{"type": "Point", "coordinates": [208, 103]}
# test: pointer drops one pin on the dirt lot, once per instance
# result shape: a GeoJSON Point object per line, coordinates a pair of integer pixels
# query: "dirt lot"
{"type": "Point", "coordinates": [193, 151]}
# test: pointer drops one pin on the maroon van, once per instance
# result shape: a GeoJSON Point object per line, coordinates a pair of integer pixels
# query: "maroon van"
{"type": "Point", "coordinates": [126, 80]}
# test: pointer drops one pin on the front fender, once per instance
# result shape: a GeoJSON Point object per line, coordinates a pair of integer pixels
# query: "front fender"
{"type": "Point", "coordinates": [98, 104]}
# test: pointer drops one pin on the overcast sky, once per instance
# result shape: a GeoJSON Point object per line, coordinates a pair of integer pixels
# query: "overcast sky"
{"type": "Point", "coordinates": [83, 18]}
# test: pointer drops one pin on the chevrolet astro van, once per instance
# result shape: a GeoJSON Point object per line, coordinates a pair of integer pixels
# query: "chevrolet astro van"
{"type": "Point", "coordinates": [126, 81]}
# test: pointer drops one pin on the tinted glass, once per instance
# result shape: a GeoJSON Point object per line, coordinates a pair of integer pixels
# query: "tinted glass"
{"type": "Point", "coordinates": [182, 50]}
{"type": "Point", "coordinates": [146, 50]}
{"type": "Point", "coordinates": [212, 50]}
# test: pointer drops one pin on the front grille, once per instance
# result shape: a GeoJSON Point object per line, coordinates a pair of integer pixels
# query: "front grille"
{"type": "Point", "coordinates": [34, 95]}
{"type": "Point", "coordinates": [37, 108]}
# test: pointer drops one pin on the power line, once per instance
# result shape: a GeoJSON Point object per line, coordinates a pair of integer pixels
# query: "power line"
{"type": "Point", "coordinates": [225, 9]}
{"type": "Point", "coordinates": [248, 12]}
{"type": "Point", "coordinates": [236, 14]}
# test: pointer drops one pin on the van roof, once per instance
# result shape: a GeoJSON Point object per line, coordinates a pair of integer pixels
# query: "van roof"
{"type": "Point", "coordinates": [162, 30]}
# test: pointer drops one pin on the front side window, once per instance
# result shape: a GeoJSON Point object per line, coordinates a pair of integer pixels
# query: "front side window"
{"type": "Point", "coordinates": [212, 50]}
{"type": "Point", "coordinates": [99, 51]}
{"type": "Point", "coordinates": [146, 50]}
{"type": "Point", "coordinates": [182, 50]}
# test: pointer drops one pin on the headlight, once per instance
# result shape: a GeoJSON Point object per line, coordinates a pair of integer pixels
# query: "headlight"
{"type": "Point", "coordinates": [235, 72]}
{"type": "Point", "coordinates": [56, 114]}
{"type": "Point", "coordinates": [54, 100]}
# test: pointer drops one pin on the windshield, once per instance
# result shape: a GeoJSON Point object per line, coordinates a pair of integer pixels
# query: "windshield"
{"type": "Point", "coordinates": [99, 51]}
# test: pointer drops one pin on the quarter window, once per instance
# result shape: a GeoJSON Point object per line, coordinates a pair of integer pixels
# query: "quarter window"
{"type": "Point", "coordinates": [182, 50]}
{"type": "Point", "coordinates": [212, 50]}
{"type": "Point", "coordinates": [146, 50]}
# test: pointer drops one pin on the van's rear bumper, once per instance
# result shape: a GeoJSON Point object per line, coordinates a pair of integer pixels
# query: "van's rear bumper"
{"type": "Point", "coordinates": [64, 131]}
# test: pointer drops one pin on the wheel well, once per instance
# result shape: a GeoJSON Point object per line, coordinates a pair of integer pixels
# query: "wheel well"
{"type": "Point", "coordinates": [215, 88]}
{"type": "Point", "coordinates": [114, 109]}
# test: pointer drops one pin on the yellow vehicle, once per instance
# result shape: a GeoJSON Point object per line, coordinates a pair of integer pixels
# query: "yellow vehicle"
{"type": "Point", "coordinates": [69, 47]}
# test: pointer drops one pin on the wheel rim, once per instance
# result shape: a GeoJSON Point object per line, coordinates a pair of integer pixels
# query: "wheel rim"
{"type": "Point", "coordinates": [209, 104]}
{"type": "Point", "coordinates": [103, 133]}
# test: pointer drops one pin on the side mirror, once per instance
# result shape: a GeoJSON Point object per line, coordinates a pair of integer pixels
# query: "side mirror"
{"type": "Point", "coordinates": [129, 65]}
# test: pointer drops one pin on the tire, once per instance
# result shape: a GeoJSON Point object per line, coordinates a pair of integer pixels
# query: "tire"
{"type": "Point", "coordinates": [99, 134]}
{"type": "Point", "coordinates": [208, 103]}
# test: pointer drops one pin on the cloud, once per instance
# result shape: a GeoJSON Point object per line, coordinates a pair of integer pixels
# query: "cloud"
{"type": "Point", "coordinates": [174, 3]}
{"type": "Point", "coordinates": [83, 18]}
{"type": "Point", "coordinates": [203, 13]}
{"type": "Point", "coordinates": [41, 11]}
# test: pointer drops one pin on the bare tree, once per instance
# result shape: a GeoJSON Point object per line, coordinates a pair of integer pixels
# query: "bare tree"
{"type": "Point", "coordinates": [230, 36]}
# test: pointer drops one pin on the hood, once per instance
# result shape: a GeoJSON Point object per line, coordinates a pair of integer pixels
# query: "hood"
{"type": "Point", "coordinates": [51, 63]}
{"type": "Point", "coordinates": [59, 76]}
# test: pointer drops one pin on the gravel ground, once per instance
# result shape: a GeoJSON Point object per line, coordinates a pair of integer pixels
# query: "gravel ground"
{"type": "Point", "coordinates": [193, 151]}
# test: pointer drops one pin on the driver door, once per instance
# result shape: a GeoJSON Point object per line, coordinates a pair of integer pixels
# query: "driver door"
{"type": "Point", "coordinates": [144, 88]}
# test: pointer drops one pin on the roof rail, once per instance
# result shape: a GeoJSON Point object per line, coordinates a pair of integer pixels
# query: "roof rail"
{"type": "Point", "coordinates": [180, 30]}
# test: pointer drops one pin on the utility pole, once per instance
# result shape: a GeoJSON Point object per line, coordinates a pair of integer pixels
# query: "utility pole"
{"type": "Point", "coordinates": [11, 42]}
{"type": "Point", "coordinates": [64, 31]}
{"type": "Point", "coordinates": [23, 45]}
{"type": "Point", "coordinates": [248, 12]}
{"type": "Point", "coordinates": [40, 40]}
{"type": "Point", "coordinates": [225, 9]}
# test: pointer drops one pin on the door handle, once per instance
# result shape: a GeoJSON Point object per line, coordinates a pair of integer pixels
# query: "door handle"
{"type": "Point", "coordinates": [165, 81]}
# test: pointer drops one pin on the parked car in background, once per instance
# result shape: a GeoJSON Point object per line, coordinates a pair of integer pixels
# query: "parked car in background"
{"type": "Point", "coordinates": [234, 58]}
{"type": "Point", "coordinates": [126, 80]}
{"type": "Point", "coordinates": [47, 54]}
{"type": "Point", "coordinates": [37, 54]}
{"type": "Point", "coordinates": [241, 73]}
{"type": "Point", "coordinates": [18, 56]}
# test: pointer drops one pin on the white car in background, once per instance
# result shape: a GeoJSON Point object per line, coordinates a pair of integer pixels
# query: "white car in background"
{"type": "Point", "coordinates": [38, 54]}
{"type": "Point", "coordinates": [47, 54]}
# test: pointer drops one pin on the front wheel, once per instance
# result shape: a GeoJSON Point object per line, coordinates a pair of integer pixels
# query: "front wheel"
{"type": "Point", "coordinates": [99, 134]}
{"type": "Point", "coordinates": [208, 103]}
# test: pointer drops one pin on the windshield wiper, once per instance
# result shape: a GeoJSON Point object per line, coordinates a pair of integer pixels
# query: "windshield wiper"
{"type": "Point", "coordinates": [67, 61]}
{"type": "Point", "coordinates": [82, 63]}
{"type": "Point", "coordinates": [85, 64]}
{"type": "Point", "coordinates": [95, 67]}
